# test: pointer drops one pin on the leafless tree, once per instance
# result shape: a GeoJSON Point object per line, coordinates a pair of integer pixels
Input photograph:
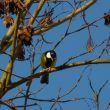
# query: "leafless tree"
{"type": "Point", "coordinates": [26, 24]}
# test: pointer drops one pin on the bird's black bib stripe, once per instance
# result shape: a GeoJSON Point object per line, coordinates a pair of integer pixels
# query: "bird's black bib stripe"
{"type": "Point", "coordinates": [48, 62]}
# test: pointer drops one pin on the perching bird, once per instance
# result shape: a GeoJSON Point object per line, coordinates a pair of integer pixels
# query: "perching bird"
{"type": "Point", "coordinates": [48, 60]}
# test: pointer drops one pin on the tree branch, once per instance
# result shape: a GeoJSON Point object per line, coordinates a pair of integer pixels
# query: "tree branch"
{"type": "Point", "coordinates": [35, 14]}
{"type": "Point", "coordinates": [59, 68]}
{"type": "Point", "coordinates": [6, 77]}
{"type": "Point", "coordinates": [66, 18]}
{"type": "Point", "coordinates": [5, 43]}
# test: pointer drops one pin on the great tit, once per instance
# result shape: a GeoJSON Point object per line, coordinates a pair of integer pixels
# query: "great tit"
{"type": "Point", "coordinates": [48, 60]}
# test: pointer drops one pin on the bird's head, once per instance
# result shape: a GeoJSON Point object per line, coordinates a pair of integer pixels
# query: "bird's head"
{"type": "Point", "coordinates": [51, 54]}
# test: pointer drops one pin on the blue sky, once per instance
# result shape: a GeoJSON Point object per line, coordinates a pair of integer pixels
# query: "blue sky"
{"type": "Point", "coordinates": [73, 45]}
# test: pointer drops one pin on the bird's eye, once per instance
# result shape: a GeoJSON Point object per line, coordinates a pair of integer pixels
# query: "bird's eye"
{"type": "Point", "coordinates": [53, 55]}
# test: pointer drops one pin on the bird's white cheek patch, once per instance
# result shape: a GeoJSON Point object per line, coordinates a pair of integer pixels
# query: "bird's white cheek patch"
{"type": "Point", "coordinates": [48, 55]}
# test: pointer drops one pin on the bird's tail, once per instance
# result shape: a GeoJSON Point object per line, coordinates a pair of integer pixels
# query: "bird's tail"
{"type": "Point", "coordinates": [45, 79]}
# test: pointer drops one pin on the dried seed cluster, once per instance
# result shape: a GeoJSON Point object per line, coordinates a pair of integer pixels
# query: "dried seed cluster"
{"type": "Point", "coordinates": [107, 18]}
{"type": "Point", "coordinates": [8, 8]}
{"type": "Point", "coordinates": [25, 35]}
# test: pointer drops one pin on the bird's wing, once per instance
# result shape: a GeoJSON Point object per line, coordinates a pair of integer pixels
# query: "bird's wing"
{"type": "Point", "coordinates": [53, 63]}
{"type": "Point", "coordinates": [43, 61]}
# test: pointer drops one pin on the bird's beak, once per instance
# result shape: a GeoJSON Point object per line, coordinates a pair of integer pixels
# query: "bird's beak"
{"type": "Point", "coordinates": [53, 59]}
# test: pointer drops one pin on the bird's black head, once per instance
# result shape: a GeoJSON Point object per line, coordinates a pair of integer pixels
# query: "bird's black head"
{"type": "Point", "coordinates": [51, 54]}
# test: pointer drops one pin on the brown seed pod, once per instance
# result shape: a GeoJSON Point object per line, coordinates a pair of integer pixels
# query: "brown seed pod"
{"type": "Point", "coordinates": [25, 35]}
{"type": "Point", "coordinates": [107, 18]}
{"type": "Point", "coordinates": [8, 21]}
{"type": "Point", "coordinates": [20, 52]}
{"type": "Point", "coordinates": [47, 20]}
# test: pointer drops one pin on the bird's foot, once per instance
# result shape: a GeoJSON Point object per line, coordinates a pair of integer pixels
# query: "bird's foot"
{"type": "Point", "coordinates": [46, 70]}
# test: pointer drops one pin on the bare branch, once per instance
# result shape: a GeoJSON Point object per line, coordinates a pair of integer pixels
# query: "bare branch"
{"type": "Point", "coordinates": [59, 68]}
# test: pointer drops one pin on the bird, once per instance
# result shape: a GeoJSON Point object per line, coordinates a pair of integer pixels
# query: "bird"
{"type": "Point", "coordinates": [48, 61]}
